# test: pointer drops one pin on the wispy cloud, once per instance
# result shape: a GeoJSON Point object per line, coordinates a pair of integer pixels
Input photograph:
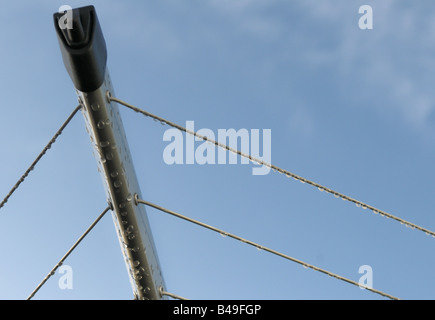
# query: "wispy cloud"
{"type": "Point", "coordinates": [392, 63]}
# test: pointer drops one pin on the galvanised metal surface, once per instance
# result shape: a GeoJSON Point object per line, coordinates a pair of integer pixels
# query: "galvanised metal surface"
{"type": "Point", "coordinates": [104, 125]}
{"type": "Point", "coordinates": [84, 54]}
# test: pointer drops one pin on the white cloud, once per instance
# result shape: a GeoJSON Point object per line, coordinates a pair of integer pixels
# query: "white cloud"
{"type": "Point", "coordinates": [392, 62]}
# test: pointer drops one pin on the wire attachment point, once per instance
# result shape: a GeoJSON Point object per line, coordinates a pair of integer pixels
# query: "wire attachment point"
{"type": "Point", "coordinates": [109, 96]}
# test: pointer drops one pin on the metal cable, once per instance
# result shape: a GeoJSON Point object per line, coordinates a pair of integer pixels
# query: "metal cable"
{"type": "Point", "coordinates": [226, 234]}
{"type": "Point", "coordinates": [53, 271]}
{"type": "Point", "coordinates": [174, 296]}
{"type": "Point", "coordinates": [277, 169]}
{"type": "Point", "coordinates": [32, 166]}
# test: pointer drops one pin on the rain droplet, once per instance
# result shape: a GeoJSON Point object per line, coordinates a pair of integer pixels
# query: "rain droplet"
{"type": "Point", "coordinates": [131, 236]}
{"type": "Point", "coordinates": [358, 205]}
{"type": "Point", "coordinates": [136, 263]}
{"type": "Point", "coordinates": [109, 156]}
{"type": "Point", "coordinates": [320, 189]}
{"type": "Point", "coordinates": [122, 205]}
{"type": "Point", "coordinates": [104, 144]}
{"type": "Point", "coordinates": [139, 277]}
{"type": "Point", "coordinates": [124, 213]}
{"type": "Point", "coordinates": [95, 107]}
{"type": "Point", "coordinates": [336, 195]}
{"type": "Point", "coordinates": [129, 197]}
{"type": "Point", "coordinates": [130, 229]}
{"type": "Point", "coordinates": [364, 207]}
{"type": "Point", "coordinates": [117, 184]}
{"type": "Point", "coordinates": [224, 235]}
{"type": "Point", "coordinates": [260, 248]}
{"type": "Point", "coordinates": [101, 124]}
{"type": "Point", "coordinates": [114, 174]}
{"type": "Point", "coordinates": [305, 266]}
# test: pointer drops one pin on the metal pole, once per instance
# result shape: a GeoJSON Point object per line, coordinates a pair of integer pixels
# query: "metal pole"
{"type": "Point", "coordinates": [84, 54]}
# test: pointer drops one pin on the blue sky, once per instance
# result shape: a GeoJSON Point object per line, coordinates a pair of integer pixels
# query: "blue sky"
{"type": "Point", "coordinates": [351, 109]}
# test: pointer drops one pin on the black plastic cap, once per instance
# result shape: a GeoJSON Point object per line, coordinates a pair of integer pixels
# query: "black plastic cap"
{"type": "Point", "coordinates": [83, 47]}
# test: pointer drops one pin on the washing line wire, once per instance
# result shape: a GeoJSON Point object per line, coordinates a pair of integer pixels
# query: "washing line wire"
{"type": "Point", "coordinates": [61, 261]}
{"type": "Point", "coordinates": [168, 294]}
{"type": "Point", "coordinates": [274, 168]}
{"type": "Point", "coordinates": [260, 247]}
{"type": "Point", "coordinates": [39, 157]}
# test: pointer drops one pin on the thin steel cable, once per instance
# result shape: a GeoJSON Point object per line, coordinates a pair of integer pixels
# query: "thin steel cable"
{"type": "Point", "coordinates": [47, 147]}
{"type": "Point", "coordinates": [258, 246]}
{"type": "Point", "coordinates": [277, 169]}
{"type": "Point", "coordinates": [174, 296]}
{"type": "Point", "coordinates": [53, 271]}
